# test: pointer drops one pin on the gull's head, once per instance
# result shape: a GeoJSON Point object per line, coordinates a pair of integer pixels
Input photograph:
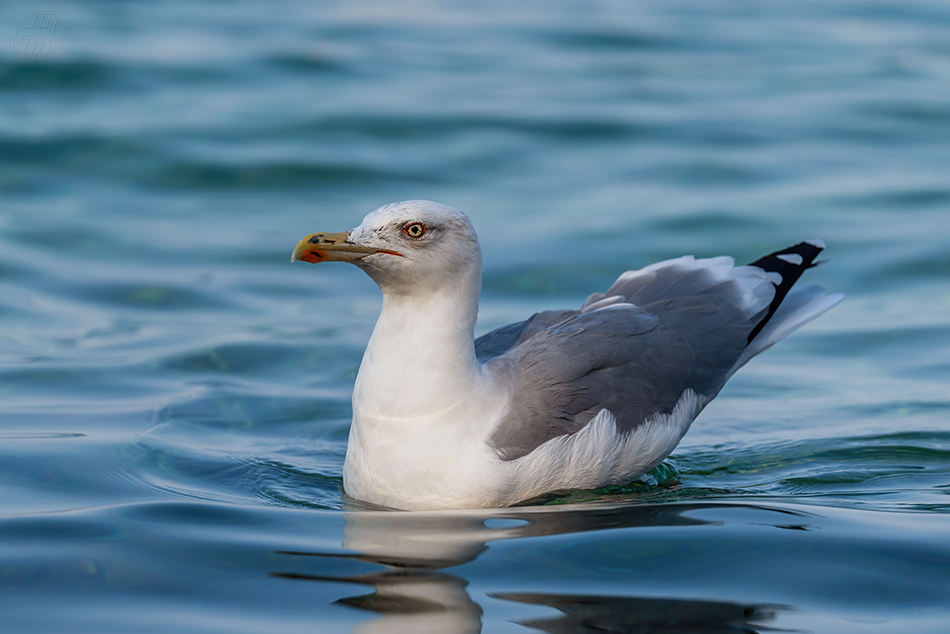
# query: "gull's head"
{"type": "Point", "coordinates": [412, 246]}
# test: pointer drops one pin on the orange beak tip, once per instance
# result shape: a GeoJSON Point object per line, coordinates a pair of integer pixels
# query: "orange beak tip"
{"type": "Point", "coordinates": [311, 256]}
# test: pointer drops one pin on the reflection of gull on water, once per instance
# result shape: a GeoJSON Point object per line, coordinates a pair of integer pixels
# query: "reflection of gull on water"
{"type": "Point", "coordinates": [633, 615]}
{"type": "Point", "coordinates": [566, 399]}
{"type": "Point", "coordinates": [413, 595]}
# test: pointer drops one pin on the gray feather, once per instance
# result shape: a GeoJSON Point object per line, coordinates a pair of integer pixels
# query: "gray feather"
{"type": "Point", "coordinates": [681, 328]}
{"type": "Point", "coordinates": [678, 279]}
{"type": "Point", "coordinates": [634, 362]}
{"type": "Point", "coordinates": [500, 340]}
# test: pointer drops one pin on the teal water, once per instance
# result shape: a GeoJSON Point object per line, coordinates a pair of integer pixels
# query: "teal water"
{"type": "Point", "coordinates": [174, 394]}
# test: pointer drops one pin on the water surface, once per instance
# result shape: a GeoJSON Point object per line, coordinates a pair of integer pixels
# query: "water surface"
{"type": "Point", "coordinates": [175, 396]}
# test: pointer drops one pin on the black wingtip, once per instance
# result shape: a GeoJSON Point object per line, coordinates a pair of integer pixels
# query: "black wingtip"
{"type": "Point", "coordinates": [790, 263]}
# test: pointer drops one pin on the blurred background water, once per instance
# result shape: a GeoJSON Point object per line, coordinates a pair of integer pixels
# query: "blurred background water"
{"type": "Point", "coordinates": [175, 396]}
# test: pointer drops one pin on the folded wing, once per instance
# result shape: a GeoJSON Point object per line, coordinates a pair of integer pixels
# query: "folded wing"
{"type": "Point", "coordinates": [678, 325]}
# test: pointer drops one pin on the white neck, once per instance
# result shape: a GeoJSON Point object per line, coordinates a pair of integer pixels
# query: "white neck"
{"type": "Point", "coordinates": [421, 357]}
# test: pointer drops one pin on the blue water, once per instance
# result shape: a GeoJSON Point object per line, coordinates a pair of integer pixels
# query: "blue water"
{"type": "Point", "coordinates": [175, 395]}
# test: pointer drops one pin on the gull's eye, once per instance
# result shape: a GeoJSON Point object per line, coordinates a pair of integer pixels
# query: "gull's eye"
{"type": "Point", "coordinates": [415, 230]}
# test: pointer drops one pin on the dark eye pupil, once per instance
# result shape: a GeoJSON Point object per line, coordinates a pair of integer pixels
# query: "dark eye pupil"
{"type": "Point", "coordinates": [415, 230]}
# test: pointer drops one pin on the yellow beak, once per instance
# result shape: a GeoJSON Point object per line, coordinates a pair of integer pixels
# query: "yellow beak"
{"type": "Point", "coordinates": [332, 247]}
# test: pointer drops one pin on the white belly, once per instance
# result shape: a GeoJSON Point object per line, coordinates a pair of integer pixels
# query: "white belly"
{"type": "Point", "coordinates": [448, 463]}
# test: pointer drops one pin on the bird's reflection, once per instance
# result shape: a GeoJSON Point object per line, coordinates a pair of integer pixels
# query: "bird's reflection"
{"type": "Point", "coordinates": [414, 596]}
{"type": "Point", "coordinates": [582, 613]}
{"type": "Point", "coordinates": [411, 601]}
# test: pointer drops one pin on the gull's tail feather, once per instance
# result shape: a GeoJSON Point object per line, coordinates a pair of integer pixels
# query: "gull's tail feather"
{"type": "Point", "coordinates": [790, 309]}
{"type": "Point", "coordinates": [790, 263]}
{"type": "Point", "coordinates": [800, 306]}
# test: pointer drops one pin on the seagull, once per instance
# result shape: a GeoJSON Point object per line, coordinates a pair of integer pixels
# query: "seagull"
{"type": "Point", "coordinates": [566, 399]}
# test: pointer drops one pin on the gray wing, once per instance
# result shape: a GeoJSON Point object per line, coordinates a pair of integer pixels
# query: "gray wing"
{"type": "Point", "coordinates": [500, 340]}
{"type": "Point", "coordinates": [673, 326]}
{"type": "Point", "coordinates": [635, 362]}
{"type": "Point", "coordinates": [636, 349]}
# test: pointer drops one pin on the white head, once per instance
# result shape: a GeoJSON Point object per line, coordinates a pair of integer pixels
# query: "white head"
{"type": "Point", "coordinates": [412, 247]}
